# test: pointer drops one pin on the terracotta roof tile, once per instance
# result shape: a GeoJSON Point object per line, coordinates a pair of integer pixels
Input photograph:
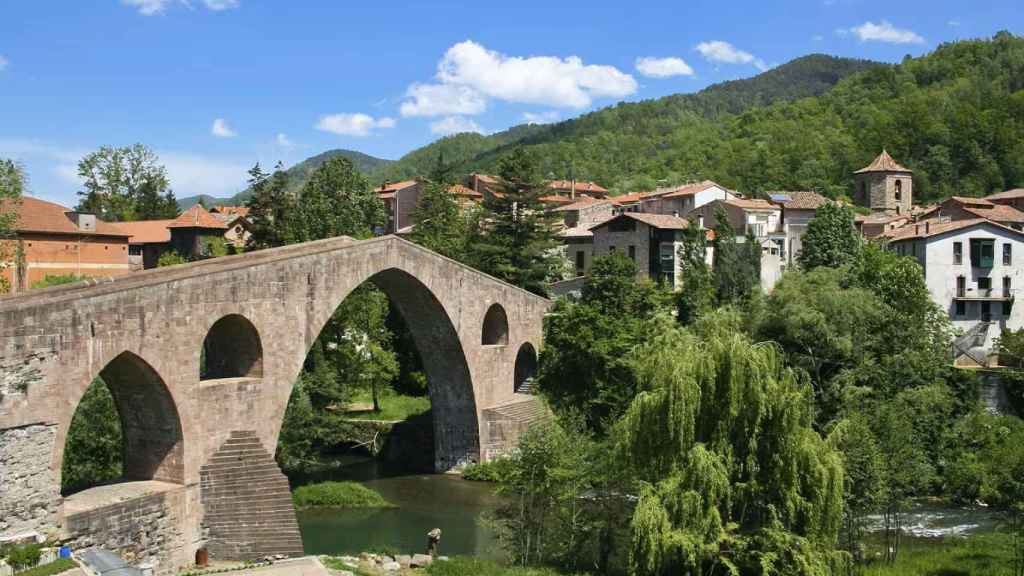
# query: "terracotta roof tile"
{"type": "Point", "coordinates": [581, 202]}
{"type": "Point", "coordinates": [35, 215]}
{"type": "Point", "coordinates": [555, 199]}
{"type": "Point", "coordinates": [798, 200]}
{"type": "Point", "coordinates": [581, 187]}
{"type": "Point", "coordinates": [883, 163]}
{"type": "Point", "coordinates": [147, 231]}
{"type": "Point", "coordinates": [751, 204]}
{"type": "Point", "coordinates": [230, 210]}
{"type": "Point", "coordinates": [662, 221]}
{"type": "Point", "coordinates": [998, 213]}
{"type": "Point", "coordinates": [626, 198]}
{"type": "Point", "coordinates": [460, 190]}
{"type": "Point", "coordinates": [929, 228]}
{"type": "Point", "coordinates": [1007, 195]}
{"type": "Point", "coordinates": [394, 186]}
{"type": "Point", "coordinates": [197, 217]}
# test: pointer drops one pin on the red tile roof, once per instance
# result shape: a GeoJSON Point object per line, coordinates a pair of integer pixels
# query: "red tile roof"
{"type": "Point", "coordinates": [883, 163]}
{"type": "Point", "coordinates": [581, 187]}
{"type": "Point", "coordinates": [147, 231]}
{"type": "Point", "coordinates": [197, 217]}
{"type": "Point", "coordinates": [626, 198]}
{"type": "Point", "coordinates": [230, 210]}
{"type": "Point", "coordinates": [929, 228]}
{"type": "Point", "coordinates": [682, 190]}
{"type": "Point", "coordinates": [581, 202]}
{"type": "Point", "coordinates": [800, 200]}
{"type": "Point", "coordinates": [460, 190]}
{"type": "Point", "coordinates": [555, 199]}
{"type": "Point", "coordinates": [998, 213]}
{"type": "Point", "coordinates": [395, 186]}
{"type": "Point", "coordinates": [662, 221]}
{"type": "Point", "coordinates": [35, 215]}
{"type": "Point", "coordinates": [751, 204]}
{"type": "Point", "coordinates": [1008, 195]}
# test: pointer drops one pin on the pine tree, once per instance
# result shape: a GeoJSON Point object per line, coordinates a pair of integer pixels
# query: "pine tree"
{"type": "Point", "coordinates": [440, 222]}
{"type": "Point", "coordinates": [831, 239]}
{"type": "Point", "coordinates": [698, 290]}
{"type": "Point", "coordinates": [737, 262]}
{"type": "Point", "coordinates": [335, 201]}
{"type": "Point", "coordinates": [516, 240]}
{"type": "Point", "coordinates": [269, 208]}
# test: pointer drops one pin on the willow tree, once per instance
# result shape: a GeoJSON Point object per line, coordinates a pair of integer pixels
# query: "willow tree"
{"type": "Point", "coordinates": [733, 479]}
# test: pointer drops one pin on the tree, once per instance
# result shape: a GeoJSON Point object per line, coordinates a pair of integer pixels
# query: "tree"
{"type": "Point", "coordinates": [732, 478]}
{"type": "Point", "coordinates": [831, 239]}
{"type": "Point", "coordinates": [586, 366]}
{"type": "Point", "coordinates": [270, 207]}
{"type": "Point", "coordinates": [128, 183]}
{"type": "Point", "coordinates": [170, 258]}
{"type": "Point", "coordinates": [737, 263]}
{"type": "Point", "coordinates": [516, 242]}
{"type": "Point", "coordinates": [12, 186]}
{"type": "Point", "coordinates": [93, 449]}
{"type": "Point", "coordinates": [335, 201]}
{"type": "Point", "coordinates": [440, 222]}
{"type": "Point", "coordinates": [865, 477]}
{"type": "Point", "coordinates": [697, 295]}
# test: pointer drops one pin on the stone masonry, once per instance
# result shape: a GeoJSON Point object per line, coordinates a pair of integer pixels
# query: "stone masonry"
{"type": "Point", "coordinates": [145, 332]}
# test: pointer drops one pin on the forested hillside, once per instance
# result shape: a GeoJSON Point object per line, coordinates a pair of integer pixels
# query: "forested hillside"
{"type": "Point", "coordinates": [297, 175]}
{"type": "Point", "coordinates": [954, 116]}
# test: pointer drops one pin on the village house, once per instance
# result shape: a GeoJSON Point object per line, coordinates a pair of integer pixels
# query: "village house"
{"type": "Point", "coordinates": [962, 208]}
{"type": "Point", "coordinates": [652, 241]}
{"type": "Point", "coordinates": [238, 225]}
{"type": "Point", "coordinates": [572, 189]}
{"type": "Point", "coordinates": [464, 196]}
{"type": "Point", "coordinates": [879, 224]}
{"type": "Point", "coordinates": [1014, 198]}
{"type": "Point", "coordinates": [577, 219]}
{"type": "Point", "coordinates": [972, 269]}
{"type": "Point", "coordinates": [51, 240]}
{"type": "Point", "coordinates": [798, 209]}
{"type": "Point", "coordinates": [680, 200]}
{"type": "Point", "coordinates": [400, 201]}
{"type": "Point", "coordinates": [195, 234]}
{"type": "Point", "coordinates": [758, 218]}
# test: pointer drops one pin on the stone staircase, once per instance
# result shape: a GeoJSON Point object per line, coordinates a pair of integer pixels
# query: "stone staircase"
{"type": "Point", "coordinates": [249, 511]}
{"type": "Point", "coordinates": [504, 423]}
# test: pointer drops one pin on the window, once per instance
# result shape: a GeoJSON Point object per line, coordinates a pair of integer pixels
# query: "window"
{"type": "Point", "coordinates": [986, 311]}
{"type": "Point", "coordinates": [961, 286]}
{"type": "Point", "coordinates": [1007, 284]}
{"type": "Point", "coordinates": [984, 286]}
{"type": "Point", "coordinates": [1007, 253]}
{"type": "Point", "coordinates": [982, 252]}
{"type": "Point", "coordinates": [958, 252]}
{"type": "Point", "coordinates": [961, 308]}
{"type": "Point", "coordinates": [581, 259]}
{"type": "Point", "coordinates": [611, 249]}
{"type": "Point", "coordinates": [899, 190]}
{"type": "Point", "coordinates": [632, 252]}
{"type": "Point", "coordinates": [667, 255]}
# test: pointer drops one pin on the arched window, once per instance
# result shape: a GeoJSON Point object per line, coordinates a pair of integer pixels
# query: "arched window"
{"type": "Point", "coordinates": [899, 190]}
{"type": "Point", "coordinates": [495, 328]}
{"type": "Point", "coordinates": [232, 349]}
{"type": "Point", "coordinates": [526, 369]}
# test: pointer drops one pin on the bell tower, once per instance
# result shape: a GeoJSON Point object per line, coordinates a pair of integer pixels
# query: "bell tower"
{"type": "Point", "coordinates": [884, 186]}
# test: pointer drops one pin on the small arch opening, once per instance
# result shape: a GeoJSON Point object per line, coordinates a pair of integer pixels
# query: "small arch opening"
{"type": "Point", "coordinates": [232, 349]}
{"type": "Point", "coordinates": [525, 369]}
{"type": "Point", "coordinates": [495, 328]}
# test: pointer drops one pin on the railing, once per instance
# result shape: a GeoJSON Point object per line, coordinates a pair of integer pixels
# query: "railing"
{"type": "Point", "coordinates": [984, 294]}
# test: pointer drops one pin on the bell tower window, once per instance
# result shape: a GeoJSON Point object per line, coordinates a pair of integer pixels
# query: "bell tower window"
{"type": "Point", "coordinates": [899, 190]}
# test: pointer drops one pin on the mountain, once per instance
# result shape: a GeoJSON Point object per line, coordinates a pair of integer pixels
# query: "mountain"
{"type": "Point", "coordinates": [297, 175]}
{"type": "Point", "coordinates": [954, 116]}
{"type": "Point", "coordinates": [638, 121]}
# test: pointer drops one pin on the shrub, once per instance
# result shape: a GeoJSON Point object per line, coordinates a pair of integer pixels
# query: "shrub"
{"type": "Point", "coordinates": [493, 471]}
{"type": "Point", "coordinates": [338, 495]}
{"type": "Point", "coordinates": [56, 567]}
{"type": "Point", "coordinates": [22, 557]}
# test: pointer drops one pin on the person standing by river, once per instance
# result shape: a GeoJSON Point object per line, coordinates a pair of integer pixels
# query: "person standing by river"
{"type": "Point", "coordinates": [433, 542]}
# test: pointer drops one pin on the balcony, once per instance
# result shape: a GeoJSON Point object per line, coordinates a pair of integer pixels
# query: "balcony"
{"type": "Point", "coordinates": [985, 294]}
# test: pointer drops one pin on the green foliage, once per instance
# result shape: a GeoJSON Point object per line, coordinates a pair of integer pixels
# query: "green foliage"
{"type": "Point", "coordinates": [697, 295]}
{"type": "Point", "coordinates": [515, 239]}
{"type": "Point", "coordinates": [23, 556]}
{"type": "Point", "coordinates": [12, 187]}
{"type": "Point", "coordinates": [335, 201]}
{"type": "Point", "coordinates": [393, 407]}
{"type": "Point", "coordinates": [733, 477]}
{"type": "Point", "coordinates": [93, 449]}
{"type": "Point", "coordinates": [983, 554]}
{"type": "Point", "coordinates": [269, 208]}
{"type": "Point", "coordinates": [58, 566]}
{"type": "Point", "coordinates": [492, 471]}
{"type": "Point", "coordinates": [986, 461]}
{"type": "Point", "coordinates": [338, 495]}
{"type": "Point", "coordinates": [127, 183]}
{"type": "Point", "coordinates": [440, 223]}
{"type": "Point", "coordinates": [57, 280]}
{"type": "Point", "coordinates": [737, 263]}
{"type": "Point", "coordinates": [586, 366]}
{"type": "Point", "coordinates": [830, 240]}
{"type": "Point", "coordinates": [170, 258]}
{"type": "Point", "coordinates": [472, 566]}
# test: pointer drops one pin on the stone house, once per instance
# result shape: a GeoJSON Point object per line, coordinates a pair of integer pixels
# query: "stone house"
{"type": "Point", "coordinates": [652, 241]}
{"type": "Point", "coordinates": [884, 186]}
{"type": "Point", "coordinates": [681, 200]}
{"type": "Point", "coordinates": [238, 225]}
{"type": "Point", "coordinates": [577, 239]}
{"type": "Point", "coordinates": [572, 189]}
{"type": "Point", "coordinates": [962, 208]}
{"type": "Point", "coordinates": [879, 224]}
{"type": "Point", "coordinates": [400, 201]}
{"type": "Point", "coordinates": [194, 235]}
{"type": "Point", "coordinates": [628, 202]}
{"type": "Point", "coordinates": [54, 241]}
{"type": "Point", "coordinates": [798, 209]}
{"type": "Point", "coordinates": [762, 220]}
{"type": "Point", "coordinates": [973, 269]}
{"type": "Point", "coordinates": [465, 197]}
{"type": "Point", "coordinates": [1014, 198]}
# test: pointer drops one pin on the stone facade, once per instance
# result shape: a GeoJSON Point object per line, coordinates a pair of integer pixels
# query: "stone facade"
{"type": "Point", "coordinates": [29, 493]}
{"type": "Point", "coordinates": [149, 328]}
{"type": "Point", "coordinates": [889, 192]}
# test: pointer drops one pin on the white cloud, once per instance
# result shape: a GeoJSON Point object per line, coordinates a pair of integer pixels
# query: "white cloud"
{"type": "Point", "coordinates": [885, 32]}
{"type": "Point", "coordinates": [469, 74]}
{"type": "Point", "coordinates": [663, 67]}
{"type": "Point", "coordinates": [283, 141]}
{"type": "Point", "coordinates": [220, 129]}
{"type": "Point", "coordinates": [442, 99]}
{"type": "Point", "coordinates": [953, 23]}
{"type": "Point", "coordinates": [541, 117]}
{"type": "Point", "coordinates": [191, 174]}
{"type": "Point", "coordinates": [153, 7]}
{"type": "Point", "coordinates": [3, 63]}
{"type": "Point", "coordinates": [352, 124]}
{"type": "Point", "coordinates": [455, 125]}
{"type": "Point", "coordinates": [722, 52]}
{"type": "Point", "coordinates": [817, 37]}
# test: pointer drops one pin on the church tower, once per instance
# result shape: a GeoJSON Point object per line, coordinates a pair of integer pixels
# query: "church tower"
{"type": "Point", "coordinates": [884, 186]}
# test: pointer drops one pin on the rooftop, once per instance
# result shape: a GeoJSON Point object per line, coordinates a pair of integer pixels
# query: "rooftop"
{"type": "Point", "coordinates": [196, 217]}
{"type": "Point", "coordinates": [460, 190]}
{"type": "Point", "coordinates": [147, 231]}
{"type": "Point", "coordinates": [660, 221]}
{"type": "Point", "coordinates": [751, 204]}
{"type": "Point", "coordinates": [581, 187]}
{"type": "Point", "coordinates": [626, 198]}
{"type": "Point", "coordinates": [929, 228]}
{"type": "Point", "coordinates": [883, 163]}
{"type": "Point", "coordinates": [804, 200]}
{"type": "Point", "coordinates": [35, 215]}
{"type": "Point", "coordinates": [395, 186]}
{"type": "Point", "coordinates": [1008, 195]}
{"type": "Point", "coordinates": [582, 202]}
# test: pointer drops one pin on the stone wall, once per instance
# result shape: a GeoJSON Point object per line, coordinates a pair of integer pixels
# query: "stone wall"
{"type": "Point", "coordinates": [31, 493]}
{"type": "Point", "coordinates": [146, 530]}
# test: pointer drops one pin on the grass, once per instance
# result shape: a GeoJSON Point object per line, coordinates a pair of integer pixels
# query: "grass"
{"type": "Point", "coordinates": [393, 407]}
{"type": "Point", "coordinates": [55, 567]}
{"type": "Point", "coordinates": [332, 563]}
{"type": "Point", "coordinates": [987, 554]}
{"type": "Point", "coordinates": [468, 566]}
{"type": "Point", "coordinates": [338, 495]}
{"type": "Point", "coordinates": [493, 471]}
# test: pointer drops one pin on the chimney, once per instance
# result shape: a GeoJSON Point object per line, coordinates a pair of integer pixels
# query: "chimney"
{"type": "Point", "coordinates": [700, 221]}
{"type": "Point", "coordinates": [926, 226]}
{"type": "Point", "coordinates": [572, 188]}
{"type": "Point", "coordinates": [85, 221]}
{"type": "Point", "coordinates": [917, 228]}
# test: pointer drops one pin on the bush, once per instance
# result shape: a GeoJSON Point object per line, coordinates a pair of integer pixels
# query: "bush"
{"type": "Point", "coordinates": [467, 566]}
{"type": "Point", "coordinates": [493, 471]}
{"type": "Point", "coordinates": [22, 557]}
{"type": "Point", "coordinates": [56, 567]}
{"type": "Point", "coordinates": [338, 495]}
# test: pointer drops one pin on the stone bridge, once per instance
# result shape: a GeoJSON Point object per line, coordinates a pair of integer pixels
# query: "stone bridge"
{"type": "Point", "coordinates": [198, 450]}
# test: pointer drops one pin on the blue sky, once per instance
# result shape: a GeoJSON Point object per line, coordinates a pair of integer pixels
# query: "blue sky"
{"type": "Point", "coordinates": [216, 85]}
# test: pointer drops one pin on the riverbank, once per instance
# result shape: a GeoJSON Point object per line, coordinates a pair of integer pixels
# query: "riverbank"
{"type": "Point", "coordinates": [982, 554]}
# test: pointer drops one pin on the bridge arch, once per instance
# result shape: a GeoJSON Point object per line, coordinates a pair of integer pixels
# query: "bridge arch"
{"type": "Point", "coordinates": [525, 368]}
{"type": "Point", "coordinates": [495, 326]}
{"type": "Point", "coordinates": [232, 348]}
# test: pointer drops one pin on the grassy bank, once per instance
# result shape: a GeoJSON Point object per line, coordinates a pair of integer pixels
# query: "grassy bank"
{"type": "Point", "coordinates": [55, 567]}
{"type": "Point", "coordinates": [393, 407]}
{"type": "Point", "coordinates": [987, 554]}
{"type": "Point", "coordinates": [493, 471]}
{"type": "Point", "coordinates": [338, 495]}
{"type": "Point", "coordinates": [466, 566]}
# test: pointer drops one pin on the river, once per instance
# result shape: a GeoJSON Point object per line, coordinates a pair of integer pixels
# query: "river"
{"type": "Point", "coordinates": [425, 501]}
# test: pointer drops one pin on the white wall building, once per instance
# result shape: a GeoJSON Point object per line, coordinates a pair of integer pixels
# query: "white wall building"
{"type": "Point", "coordinates": [973, 269]}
